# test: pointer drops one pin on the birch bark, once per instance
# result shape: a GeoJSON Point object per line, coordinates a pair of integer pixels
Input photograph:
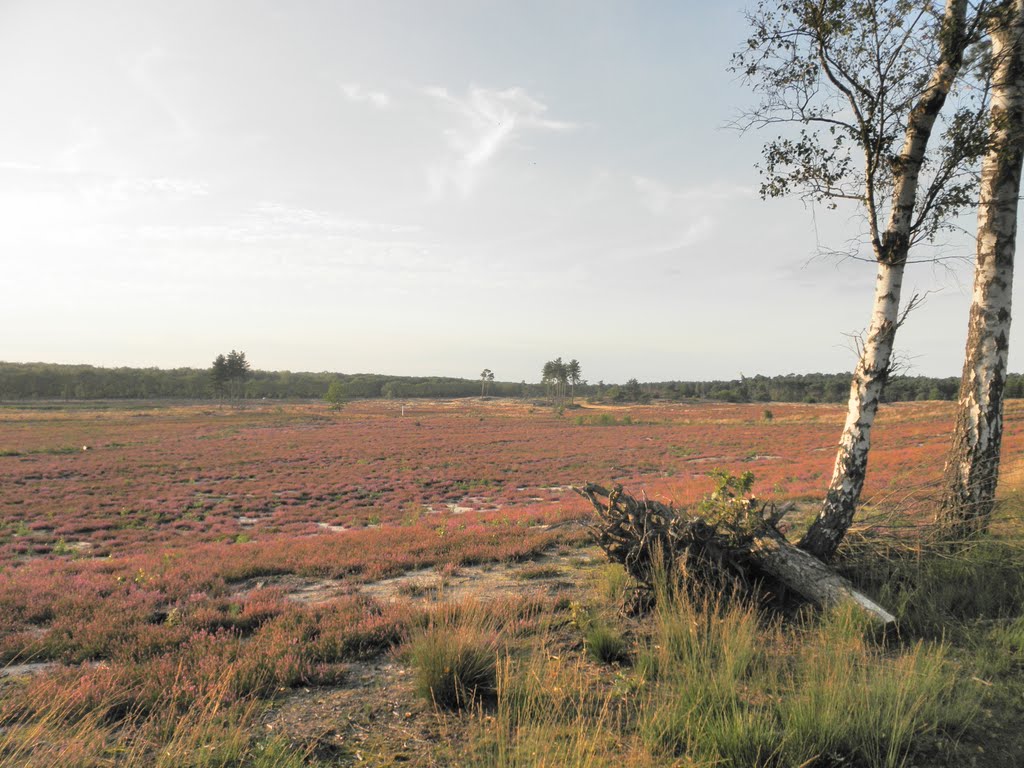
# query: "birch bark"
{"type": "Point", "coordinates": [891, 249]}
{"type": "Point", "coordinates": [972, 467]}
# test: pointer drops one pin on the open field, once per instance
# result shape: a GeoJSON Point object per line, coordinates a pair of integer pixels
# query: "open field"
{"type": "Point", "coordinates": [260, 585]}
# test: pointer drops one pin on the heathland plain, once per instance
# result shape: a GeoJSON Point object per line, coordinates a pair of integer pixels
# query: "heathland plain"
{"type": "Point", "coordinates": [290, 584]}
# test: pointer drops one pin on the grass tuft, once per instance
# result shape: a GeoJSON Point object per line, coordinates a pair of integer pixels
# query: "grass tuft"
{"type": "Point", "coordinates": [605, 644]}
{"type": "Point", "coordinates": [455, 660]}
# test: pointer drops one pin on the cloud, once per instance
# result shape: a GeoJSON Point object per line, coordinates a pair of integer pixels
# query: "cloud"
{"type": "Point", "coordinates": [359, 95]}
{"type": "Point", "coordinates": [75, 156]}
{"type": "Point", "coordinates": [287, 218]}
{"type": "Point", "coordinates": [662, 199]}
{"type": "Point", "coordinates": [486, 122]}
{"type": "Point", "coordinates": [281, 243]}
{"type": "Point", "coordinates": [693, 233]}
{"type": "Point", "coordinates": [145, 74]}
{"type": "Point", "coordinates": [178, 189]}
{"type": "Point", "coordinates": [16, 165]}
{"type": "Point", "coordinates": [276, 222]}
{"type": "Point", "coordinates": [95, 185]}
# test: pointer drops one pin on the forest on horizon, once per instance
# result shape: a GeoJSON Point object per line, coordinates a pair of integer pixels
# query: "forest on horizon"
{"type": "Point", "coordinates": [52, 381]}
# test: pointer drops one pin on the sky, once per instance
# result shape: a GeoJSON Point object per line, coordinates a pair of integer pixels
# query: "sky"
{"type": "Point", "coordinates": [418, 188]}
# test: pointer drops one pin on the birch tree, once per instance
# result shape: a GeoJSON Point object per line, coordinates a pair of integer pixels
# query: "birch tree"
{"type": "Point", "coordinates": [972, 467]}
{"type": "Point", "coordinates": [863, 83]}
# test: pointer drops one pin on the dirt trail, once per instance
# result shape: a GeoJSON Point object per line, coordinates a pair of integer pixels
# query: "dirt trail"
{"type": "Point", "coordinates": [375, 710]}
{"type": "Point", "coordinates": [548, 573]}
{"type": "Point", "coordinates": [375, 717]}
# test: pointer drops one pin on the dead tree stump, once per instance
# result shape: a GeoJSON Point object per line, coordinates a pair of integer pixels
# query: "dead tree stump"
{"type": "Point", "coordinates": [736, 547]}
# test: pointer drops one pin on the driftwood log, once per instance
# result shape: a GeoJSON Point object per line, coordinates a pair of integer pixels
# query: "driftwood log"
{"type": "Point", "coordinates": [739, 545]}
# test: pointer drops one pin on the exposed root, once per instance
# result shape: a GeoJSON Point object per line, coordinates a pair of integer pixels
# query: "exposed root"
{"type": "Point", "coordinates": [651, 539]}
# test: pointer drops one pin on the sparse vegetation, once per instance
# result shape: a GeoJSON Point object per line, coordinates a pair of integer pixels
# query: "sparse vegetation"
{"type": "Point", "coordinates": [604, 420]}
{"type": "Point", "coordinates": [174, 641]}
{"type": "Point", "coordinates": [540, 572]}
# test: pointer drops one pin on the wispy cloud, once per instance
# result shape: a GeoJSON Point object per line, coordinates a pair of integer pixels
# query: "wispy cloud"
{"type": "Point", "coordinates": [664, 199]}
{"type": "Point", "coordinates": [486, 122]}
{"type": "Point", "coordinates": [271, 221]}
{"type": "Point", "coordinates": [279, 217]}
{"type": "Point", "coordinates": [144, 73]}
{"type": "Point", "coordinates": [322, 243]}
{"type": "Point", "coordinates": [178, 189]}
{"type": "Point", "coordinates": [98, 184]}
{"type": "Point", "coordinates": [690, 235]}
{"type": "Point", "coordinates": [20, 167]}
{"type": "Point", "coordinates": [360, 95]}
{"type": "Point", "coordinates": [78, 153]}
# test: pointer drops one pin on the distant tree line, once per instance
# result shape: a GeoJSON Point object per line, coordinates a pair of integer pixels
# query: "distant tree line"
{"type": "Point", "coordinates": [49, 381]}
{"type": "Point", "coordinates": [789, 388]}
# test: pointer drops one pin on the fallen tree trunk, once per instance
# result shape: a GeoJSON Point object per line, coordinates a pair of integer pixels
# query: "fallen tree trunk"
{"type": "Point", "coordinates": [810, 577]}
{"type": "Point", "coordinates": [738, 545]}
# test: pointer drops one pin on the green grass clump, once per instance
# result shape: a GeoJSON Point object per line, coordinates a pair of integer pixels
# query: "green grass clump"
{"type": "Point", "coordinates": [217, 730]}
{"type": "Point", "coordinates": [605, 644]}
{"type": "Point", "coordinates": [613, 584]}
{"type": "Point", "coordinates": [455, 661]}
{"type": "Point", "coordinates": [849, 698]}
{"type": "Point", "coordinates": [700, 659]}
{"type": "Point", "coordinates": [941, 591]}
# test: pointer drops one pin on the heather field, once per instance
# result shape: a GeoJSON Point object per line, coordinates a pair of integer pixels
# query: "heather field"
{"type": "Point", "coordinates": [129, 480]}
{"type": "Point", "coordinates": [264, 584]}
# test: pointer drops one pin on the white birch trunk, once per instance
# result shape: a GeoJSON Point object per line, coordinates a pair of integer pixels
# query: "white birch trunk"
{"type": "Point", "coordinates": [823, 537]}
{"type": "Point", "coordinates": [865, 395]}
{"type": "Point", "coordinates": [972, 467]}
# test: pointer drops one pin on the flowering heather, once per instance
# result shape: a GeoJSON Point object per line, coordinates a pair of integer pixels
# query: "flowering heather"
{"type": "Point", "coordinates": [143, 548]}
{"type": "Point", "coordinates": [179, 476]}
{"type": "Point", "coordinates": [170, 506]}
